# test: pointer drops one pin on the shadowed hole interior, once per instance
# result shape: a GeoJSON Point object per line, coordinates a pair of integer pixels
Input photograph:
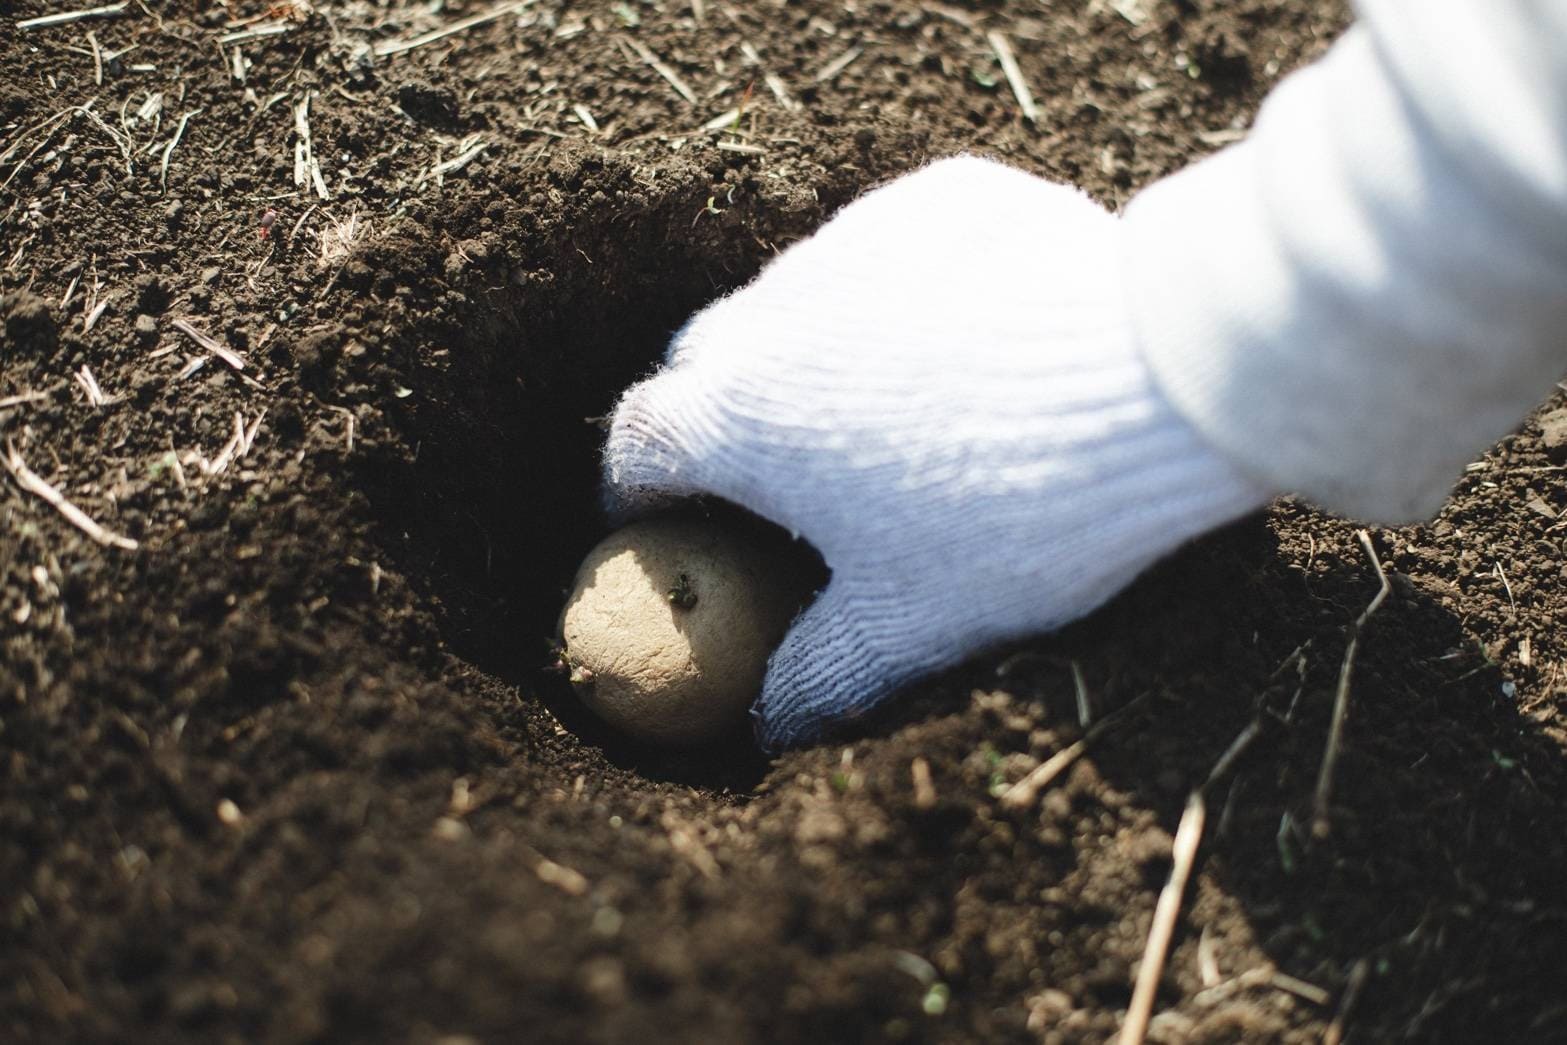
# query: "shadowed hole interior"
{"type": "Point", "coordinates": [501, 500]}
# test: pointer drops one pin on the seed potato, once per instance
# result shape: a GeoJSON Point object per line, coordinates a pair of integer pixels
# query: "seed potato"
{"type": "Point", "coordinates": [669, 626]}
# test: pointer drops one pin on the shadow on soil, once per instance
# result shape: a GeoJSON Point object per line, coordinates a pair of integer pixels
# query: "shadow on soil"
{"type": "Point", "coordinates": [1416, 876]}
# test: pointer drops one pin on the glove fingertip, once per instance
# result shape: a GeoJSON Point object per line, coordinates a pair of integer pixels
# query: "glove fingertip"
{"type": "Point", "coordinates": [824, 675]}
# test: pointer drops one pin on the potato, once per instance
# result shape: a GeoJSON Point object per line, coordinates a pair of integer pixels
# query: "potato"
{"type": "Point", "coordinates": [670, 623]}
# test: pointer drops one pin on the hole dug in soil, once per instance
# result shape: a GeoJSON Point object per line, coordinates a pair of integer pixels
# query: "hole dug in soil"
{"type": "Point", "coordinates": [505, 399]}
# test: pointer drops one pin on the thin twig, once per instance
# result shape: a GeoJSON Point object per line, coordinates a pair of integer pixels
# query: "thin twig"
{"type": "Point", "coordinates": [1168, 909]}
{"type": "Point", "coordinates": [390, 47]}
{"type": "Point", "coordinates": [33, 483]}
{"type": "Point", "coordinates": [66, 17]}
{"type": "Point", "coordinates": [1320, 824]}
{"type": "Point", "coordinates": [1009, 67]}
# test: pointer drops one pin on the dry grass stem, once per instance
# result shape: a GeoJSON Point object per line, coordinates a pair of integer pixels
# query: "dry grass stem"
{"type": "Point", "coordinates": [469, 150]}
{"type": "Point", "coordinates": [348, 425]}
{"type": "Point", "coordinates": [250, 434]}
{"type": "Point", "coordinates": [391, 47]}
{"type": "Point", "coordinates": [210, 343]}
{"type": "Point", "coordinates": [684, 842]}
{"type": "Point", "coordinates": [1187, 837]}
{"type": "Point", "coordinates": [1300, 988]}
{"type": "Point", "coordinates": [586, 117]}
{"type": "Point", "coordinates": [255, 32]}
{"type": "Point", "coordinates": [48, 126]}
{"type": "Point", "coordinates": [307, 172]}
{"type": "Point", "coordinates": [168, 150]}
{"type": "Point", "coordinates": [301, 222]}
{"type": "Point", "coordinates": [95, 311]}
{"type": "Point", "coordinates": [121, 140]}
{"type": "Point", "coordinates": [1208, 960]}
{"type": "Point", "coordinates": [775, 84]}
{"type": "Point", "coordinates": [1320, 822]}
{"type": "Point", "coordinates": [568, 881]}
{"type": "Point", "coordinates": [1496, 568]}
{"type": "Point", "coordinates": [338, 239]}
{"type": "Point", "coordinates": [830, 71]}
{"type": "Point", "coordinates": [89, 385]}
{"type": "Point", "coordinates": [67, 17]}
{"type": "Point", "coordinates": [1023, 793]}
{"type": "Point", "coordinates": [670, 76]}
{"type": "Point", "coordinates": [1238, 746]}
{"type": "Point", "coordinates": [1009, 67]}
{"type": "Point", "coordinates": [924, 788]}
{"type": "Point", "coordinates": [219, 464]}
{"type": "Point", "coordinates": [236, 448]}
{"type": "Point", "coordinates": [1085, 705]}
{"type": "Point", "coordinates": [33, 483]}
{"type": "Point", "coordinates": [1357, 979]}
{"type": "Point", "coordinates": [6, 402]}
{"type": "Point", "coordinates": [723, 121]}
{"type": "Point", "coordinates": [97, 59]}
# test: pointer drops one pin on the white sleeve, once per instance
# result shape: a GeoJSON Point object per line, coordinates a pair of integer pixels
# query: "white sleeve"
{"type": "Point", "coordinates": [1372, 287]}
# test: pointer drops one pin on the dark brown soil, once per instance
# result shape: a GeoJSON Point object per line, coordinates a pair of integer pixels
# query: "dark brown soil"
{"type": "Point", "coordinates": [291, 769]}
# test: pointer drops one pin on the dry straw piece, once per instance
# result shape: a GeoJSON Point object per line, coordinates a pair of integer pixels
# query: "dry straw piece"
{"type": "Point", "coordinates": [35, 484]}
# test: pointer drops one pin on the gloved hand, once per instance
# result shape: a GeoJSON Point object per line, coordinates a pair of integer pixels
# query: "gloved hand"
{"type": "Point", "coordinates": [941, 391]}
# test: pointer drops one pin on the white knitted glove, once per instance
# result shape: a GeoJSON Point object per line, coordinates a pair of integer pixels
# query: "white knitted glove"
{"type": "Point", "coordinates": [941, 392]}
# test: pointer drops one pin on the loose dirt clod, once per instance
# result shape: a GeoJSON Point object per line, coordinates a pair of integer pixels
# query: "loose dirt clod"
{"type": "Point", "coordinates": [669, 627]}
